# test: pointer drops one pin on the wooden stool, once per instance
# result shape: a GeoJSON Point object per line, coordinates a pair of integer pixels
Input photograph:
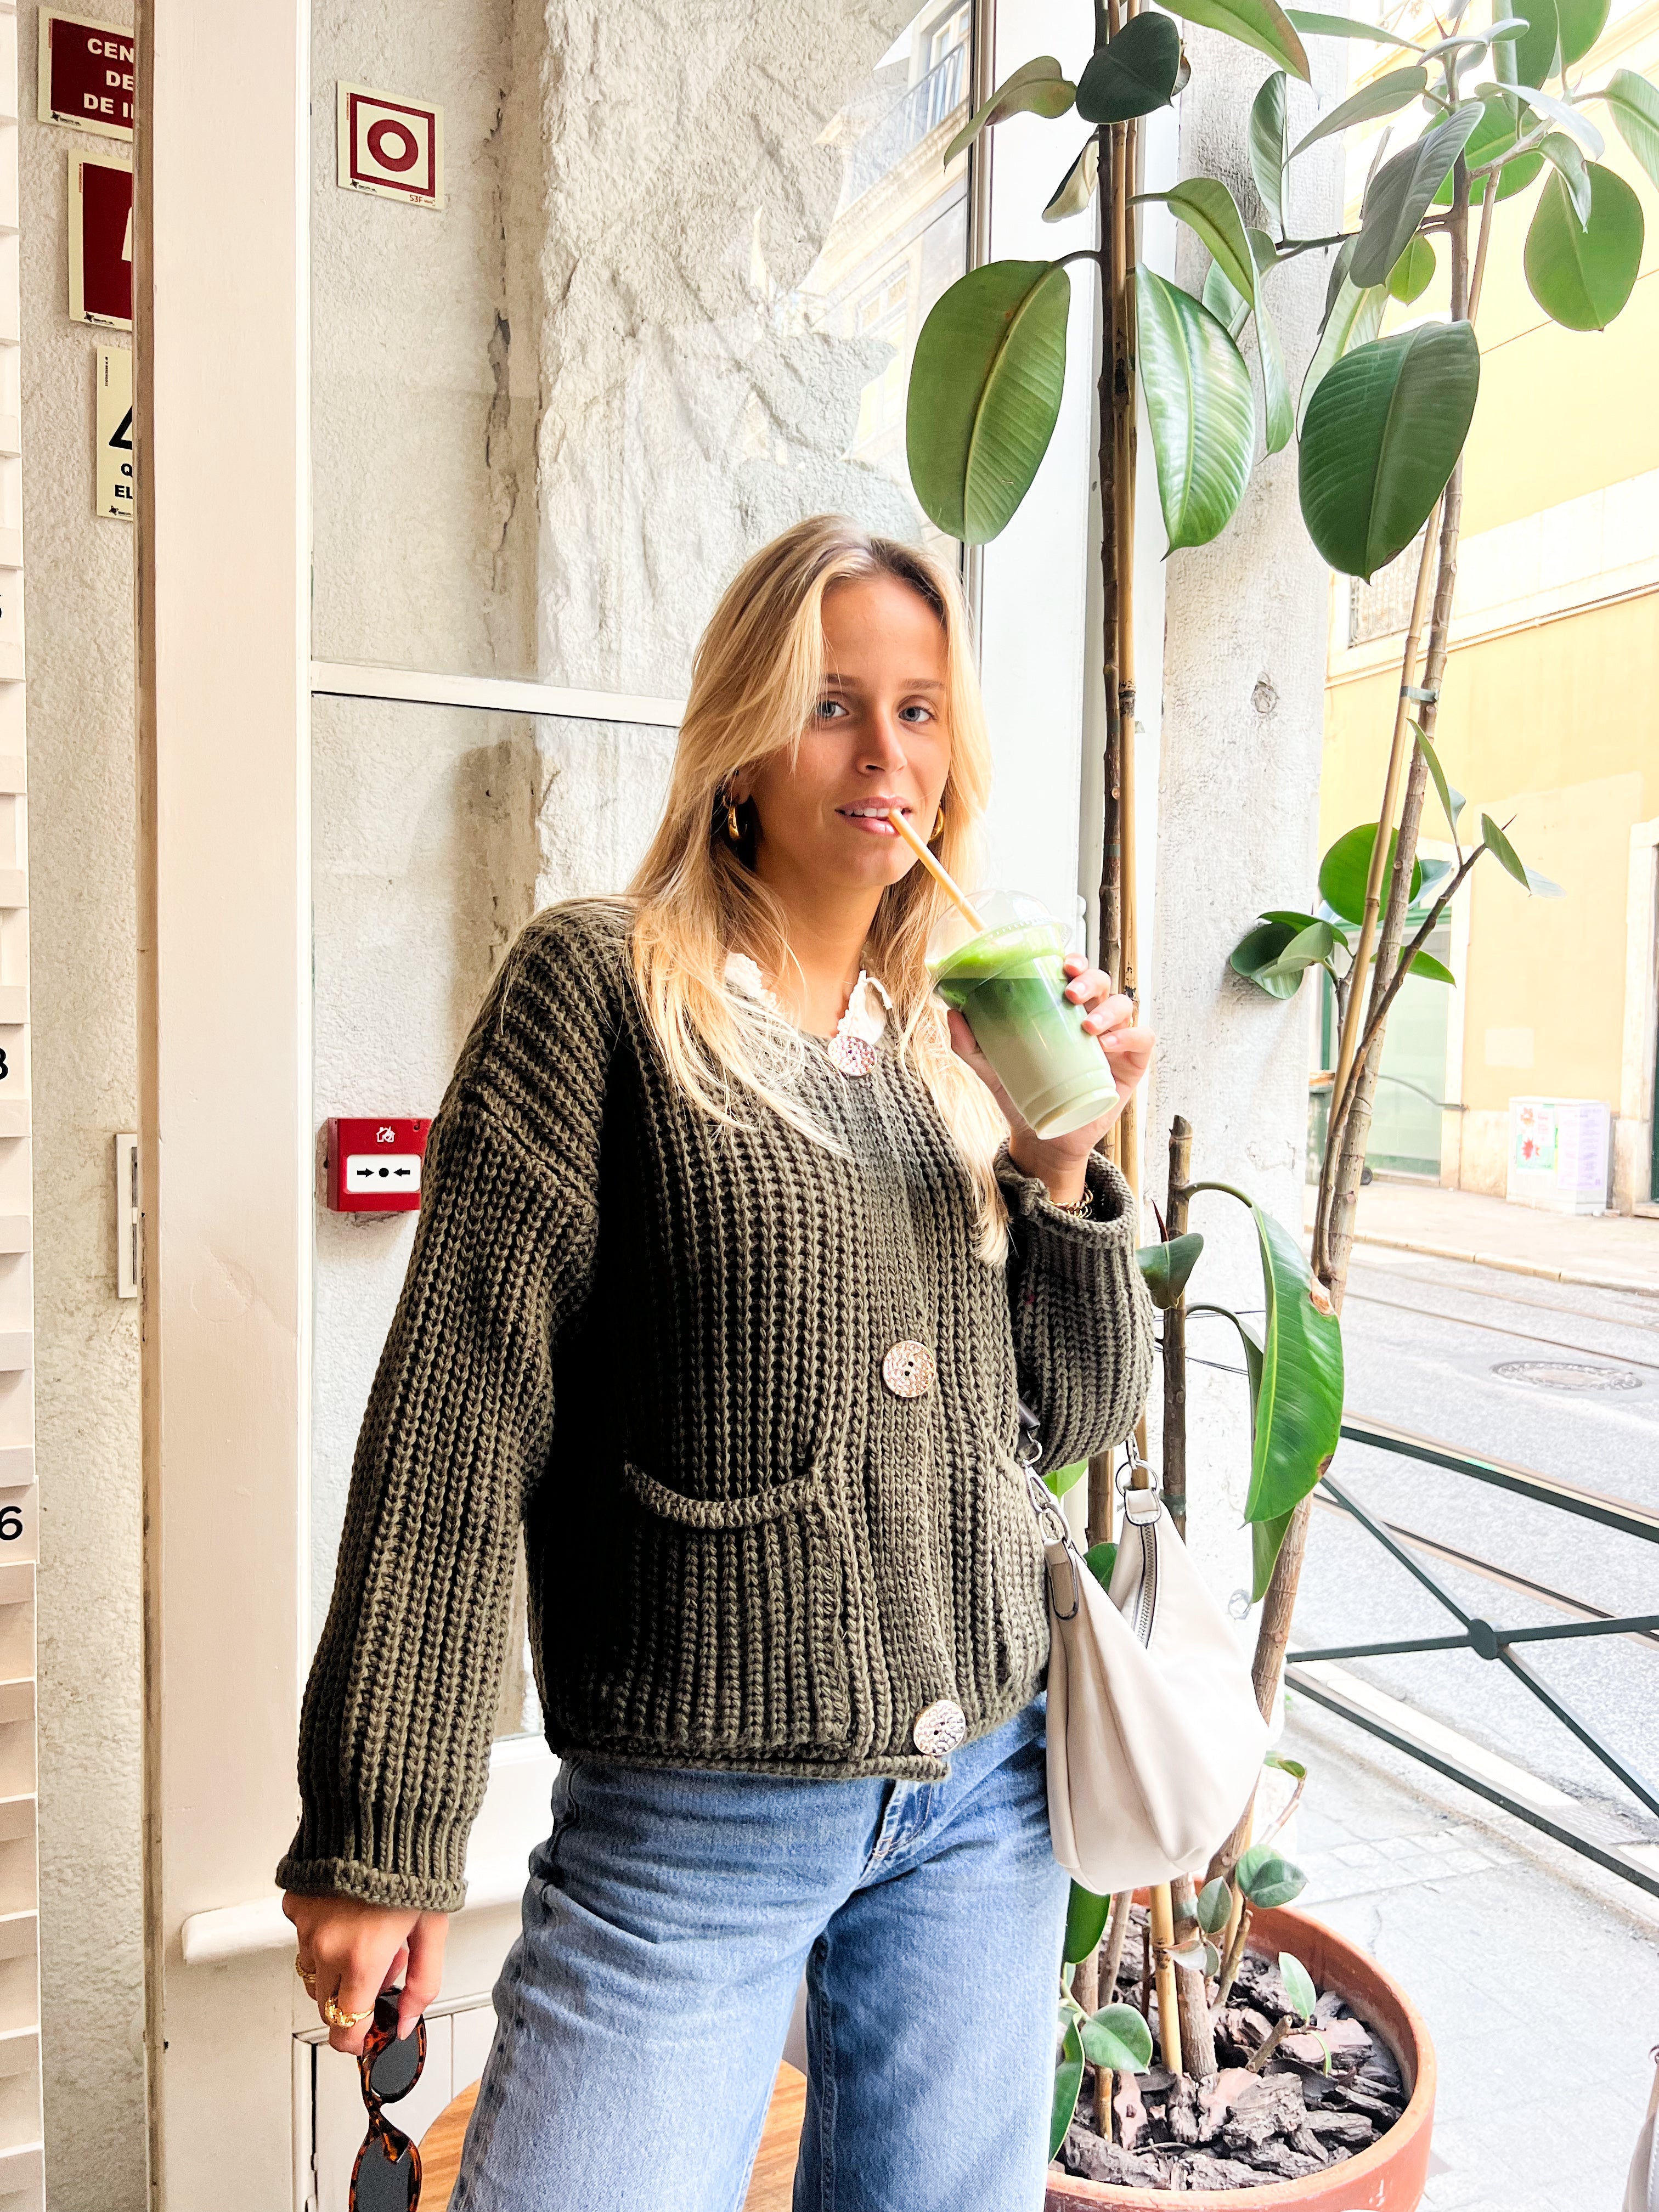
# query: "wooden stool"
{"type": "Point", "coordinates": [770, 2189]}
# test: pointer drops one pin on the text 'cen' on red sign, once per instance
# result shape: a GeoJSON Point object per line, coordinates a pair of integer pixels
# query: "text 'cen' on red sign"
{"type": "Point", "coordinates": [86, 75]}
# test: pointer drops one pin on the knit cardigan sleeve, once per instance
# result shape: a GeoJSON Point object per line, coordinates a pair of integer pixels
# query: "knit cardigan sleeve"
{"type": "Point", "coordinates": [398, 1718]}
{"type": "Point", "coordinates": [1082, 1318]}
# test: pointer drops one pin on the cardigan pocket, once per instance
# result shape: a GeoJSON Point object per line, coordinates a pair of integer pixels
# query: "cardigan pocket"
{"type": "Point", "coordinates": [733, 1617]}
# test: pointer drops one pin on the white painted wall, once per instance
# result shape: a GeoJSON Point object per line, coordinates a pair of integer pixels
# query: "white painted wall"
{"type": "Point", "coordinates": [1237, 807]}
{"type": "Point", "coordinates": [85, 1085]}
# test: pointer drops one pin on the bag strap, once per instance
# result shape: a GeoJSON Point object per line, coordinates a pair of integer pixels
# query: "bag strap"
{"type": "Point", "coordinates": [1142, 1509]}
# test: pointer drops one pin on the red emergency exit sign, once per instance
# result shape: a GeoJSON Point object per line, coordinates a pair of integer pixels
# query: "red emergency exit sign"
{"type": "Point", "coordinates": [100, 241]}
{"type": "Point", "coordinates": [86, 75]}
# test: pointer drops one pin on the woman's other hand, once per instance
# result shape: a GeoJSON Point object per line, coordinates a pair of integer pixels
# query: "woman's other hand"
{"type": "Point", "coordinates": [351, 1952]}
{"type": "Point", "coordinates": [1062, 1162]}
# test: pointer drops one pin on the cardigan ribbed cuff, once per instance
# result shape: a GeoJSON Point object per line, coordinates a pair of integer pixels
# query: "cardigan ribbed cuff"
{"type": "Point", "coordinates": [1109, 1227]}
{"type": "Point", "coordinates": [386, 1885]}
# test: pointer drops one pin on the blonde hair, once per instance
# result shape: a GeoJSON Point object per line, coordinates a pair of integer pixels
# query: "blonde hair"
{"type": "Point", "coordinates": [755, 682]}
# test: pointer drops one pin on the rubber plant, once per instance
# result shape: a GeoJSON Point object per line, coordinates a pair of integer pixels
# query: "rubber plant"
{"type": "Point", "coordinates": [1380, 424]}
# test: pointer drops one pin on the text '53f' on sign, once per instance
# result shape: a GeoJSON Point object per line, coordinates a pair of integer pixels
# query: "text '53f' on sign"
{"type": "Point", "coordinates": [115, 479]}
{"type": "Point", "coordinates": [86, 75]}
{"type": "Point", "coordinates": [101, 242]}
{"type": "Point", "coordinates": [390, 145]}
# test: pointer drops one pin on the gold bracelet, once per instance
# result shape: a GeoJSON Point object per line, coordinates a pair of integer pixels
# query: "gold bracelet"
{"type": "Point", "coordinates": [1082, 1210]}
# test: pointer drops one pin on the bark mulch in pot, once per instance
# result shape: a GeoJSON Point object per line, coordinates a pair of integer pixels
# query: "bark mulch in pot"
{"type": "Point", "coordinates": [1242, 2130]}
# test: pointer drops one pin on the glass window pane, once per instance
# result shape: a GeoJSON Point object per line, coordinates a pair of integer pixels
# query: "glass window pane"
{"type": "Point", "coordinates": [437, 831]}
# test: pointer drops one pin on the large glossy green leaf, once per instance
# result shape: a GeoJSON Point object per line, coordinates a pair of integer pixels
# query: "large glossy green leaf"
{"type": "Point", "coordinates": [1573, 171]}
{"type": "Point", "coordinates": [1635, 106]}
{"type": "Point", "coordinates": [1077, 188]}
{"type": "Point", "coordinates": [1381, 434]}
{"type": "Point", "coordinates": [985, 391]}
{"type": "Point", "coordinates": [1312, 947]}
{"type": "Point", "coordinates": [1383, 95]}
{"type": "Point", "coordinates": [1262, 24]}
{"type": "Point", "coordinates": [1398, 195]}
{"type": "Point", "coordinates": [1413, 273]}
{"type": "Point", "coordinates": [1494, 135]}
{"type": "Point", "coordinates": [1068, 2080]}
{"type": "Point", "coordinates": [1118, 2037]}
{"type": "Point", "coordinates": [1583, 23]}
{"type": "Point", "coordinates": [1167, 1268]}
{"type": "Point", "coordinates": [1425, 965]}
{"type": "Point", "coordinates": [1132, 75]}
{"type": "Point", "coordinates": [1037, 87]}
{"type": "Point", "coordinates": [1582, 278]}
{"type": "Point", "coordinates": [1346, 869]}
{"type": "Point", "coordinates": [1269, 137]}
{"type": "Point", "coordinates": [1205, 205]}
{"type": "Point", "coordinates": [1353, 318]}
{"type": "Point", "coordinates": [1085, 1923]}
{"type": "Point", "coordinates": [1255, 957]}
{"type": "Point", "coordinates": [1537, 50]}
{"type": "Point", "coordinates": [1203, 412]}
{"type": "Point", "coordinates": [1298, 1401]}
{"type": "Point", "coordinates": [1313, 25]}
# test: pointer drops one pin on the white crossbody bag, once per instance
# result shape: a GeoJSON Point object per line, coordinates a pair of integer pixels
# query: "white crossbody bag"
{"type": "Point", "coordinates": [1155, 1739]}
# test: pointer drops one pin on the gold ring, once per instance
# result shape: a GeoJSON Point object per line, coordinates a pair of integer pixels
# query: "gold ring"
{"type": "Point", "coordinates": [336, 2018]}
{"type": "Point", "coordinates": [308, 1974]}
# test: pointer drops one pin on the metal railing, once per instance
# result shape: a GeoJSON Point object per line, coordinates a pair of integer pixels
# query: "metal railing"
{"type": "Point", "coordinates": [922, 109]}
{"type": "Point", "coordinates": [1486, 1642]}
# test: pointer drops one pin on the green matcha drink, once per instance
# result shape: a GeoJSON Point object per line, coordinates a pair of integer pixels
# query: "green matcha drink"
{"type": "Point", "coordinates": [1009, 983]}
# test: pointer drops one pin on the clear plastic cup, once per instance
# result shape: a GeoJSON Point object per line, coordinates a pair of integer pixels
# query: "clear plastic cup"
{"type": "Point", "coordinates": [1009, 983]}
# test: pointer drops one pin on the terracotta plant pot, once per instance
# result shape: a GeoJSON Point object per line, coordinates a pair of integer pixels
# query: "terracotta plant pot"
{"type": "Point", "coordinates": [1387, 2175]}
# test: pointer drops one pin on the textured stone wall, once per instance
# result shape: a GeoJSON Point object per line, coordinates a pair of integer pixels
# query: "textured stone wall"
{"type": "Point", "coordinates": [82, 964]}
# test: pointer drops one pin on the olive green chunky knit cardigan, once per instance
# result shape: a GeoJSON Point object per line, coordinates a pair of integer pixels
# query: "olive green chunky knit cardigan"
{"type": "Point", "coordinates": [656, 1344]}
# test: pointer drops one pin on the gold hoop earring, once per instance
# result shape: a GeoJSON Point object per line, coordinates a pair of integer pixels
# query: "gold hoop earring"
{"type": "Point", "coordinates": [733, 827]}
{"type": "Point", "coordinates": [938, 824]}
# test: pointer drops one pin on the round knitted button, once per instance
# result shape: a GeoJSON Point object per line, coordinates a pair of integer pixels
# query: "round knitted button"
{"type": "Point", "coordinates": [853, 1055]}
{"type": "Point", "coordinates": [908, 1371]}
{"type": "Point", "coordinates": [939, 1728]}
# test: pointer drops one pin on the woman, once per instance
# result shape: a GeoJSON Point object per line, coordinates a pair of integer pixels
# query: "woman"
{"type": "Point", "coordinates": [732, 1264]}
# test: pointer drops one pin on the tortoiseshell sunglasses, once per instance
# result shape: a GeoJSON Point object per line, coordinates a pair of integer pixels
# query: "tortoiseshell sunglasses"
{"type": "Point", "coordinates": [386, 2175]}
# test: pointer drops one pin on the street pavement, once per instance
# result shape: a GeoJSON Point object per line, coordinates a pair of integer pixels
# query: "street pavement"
{"type": "Point", "coordinates": [1539, 1973]}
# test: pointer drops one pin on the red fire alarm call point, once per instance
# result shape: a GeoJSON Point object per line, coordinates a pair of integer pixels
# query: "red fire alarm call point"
{"type": "Point", "coordinates": [374, 1165]}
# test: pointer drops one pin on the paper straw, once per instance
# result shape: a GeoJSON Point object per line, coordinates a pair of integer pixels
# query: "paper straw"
{"type": "Point", "coordinates": [936, 868]}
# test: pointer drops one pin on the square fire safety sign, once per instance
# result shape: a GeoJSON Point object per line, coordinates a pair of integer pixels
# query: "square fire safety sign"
{"type": "Point", "coordinates": [390, 146]}
{"type": "Point", "coordinates": [86, 75]}
{"type": "Point", "coordinates": [101, 242]}
{"type": "Point", "coordinates": [375, 1163]}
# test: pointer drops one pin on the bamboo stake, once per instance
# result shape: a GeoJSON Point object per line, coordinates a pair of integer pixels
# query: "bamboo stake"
{"type": "Point", "coordinates": [1175, 1334]}
{"type": "Point", "coordinates": [1116, 1937]}
{"type": "Point", "coordinates": [1124, 395]}
{"type": "Point", "coordinates": [1161, 1930]}
{"type": "Point", "coordinates": [1397, 751]}
{"type": "Point", "coordinates": [936, 868]}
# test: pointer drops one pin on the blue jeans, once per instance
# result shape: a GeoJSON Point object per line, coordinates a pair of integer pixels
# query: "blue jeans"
{"type": "Point", "coordinates": [668, 1921]}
